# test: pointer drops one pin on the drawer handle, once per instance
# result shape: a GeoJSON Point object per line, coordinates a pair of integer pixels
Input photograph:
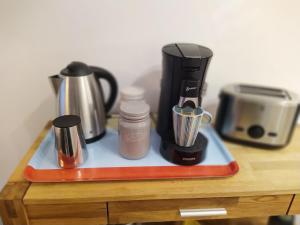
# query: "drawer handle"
{"type": "Point", "coordinates": [202, 212]}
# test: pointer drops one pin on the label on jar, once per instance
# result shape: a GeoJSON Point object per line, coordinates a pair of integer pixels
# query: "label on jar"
{"type": "Point", "coordinates": [134, 135]}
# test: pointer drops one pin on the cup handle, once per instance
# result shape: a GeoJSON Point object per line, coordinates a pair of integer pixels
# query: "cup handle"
{"type": "Point", "coordinates": [206, 118]}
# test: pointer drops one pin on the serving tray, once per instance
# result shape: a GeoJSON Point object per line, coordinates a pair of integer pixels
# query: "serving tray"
{"type": "Point", "coordinates": [105, 163]}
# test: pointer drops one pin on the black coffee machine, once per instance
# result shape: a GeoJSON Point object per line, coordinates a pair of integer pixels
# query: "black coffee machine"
{"type": "Point", "coordinates": [184, 70]}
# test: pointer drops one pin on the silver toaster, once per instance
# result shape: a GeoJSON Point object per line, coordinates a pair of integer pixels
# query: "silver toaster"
{"type": "Point", "coordinates": [256, 115]}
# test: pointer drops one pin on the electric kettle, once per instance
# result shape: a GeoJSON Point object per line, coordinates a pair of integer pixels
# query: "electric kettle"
{"type": "Point", "coordinates": [79, 92]}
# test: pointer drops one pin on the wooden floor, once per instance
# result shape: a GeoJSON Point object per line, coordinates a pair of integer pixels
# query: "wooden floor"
{"type": "Point", "coordinates": [241, 221]}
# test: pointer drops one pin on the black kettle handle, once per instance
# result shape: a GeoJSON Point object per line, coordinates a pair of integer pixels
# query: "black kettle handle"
{"type": "Point", "coordinates": [104, 74]}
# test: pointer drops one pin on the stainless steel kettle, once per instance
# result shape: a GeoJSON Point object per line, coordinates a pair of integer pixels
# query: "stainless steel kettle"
{"type": "Point", "coordinates": [79, 92]}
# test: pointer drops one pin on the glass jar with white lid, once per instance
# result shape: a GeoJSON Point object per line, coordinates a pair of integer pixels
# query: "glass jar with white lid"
{"type": "Point", "coordinates": [134, 129]}
{"type": "Point", "coordinates": [132, 93]}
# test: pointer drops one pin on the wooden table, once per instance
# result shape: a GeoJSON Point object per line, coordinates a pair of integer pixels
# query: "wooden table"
{"type": "Point", "coordinates": [268, 183]}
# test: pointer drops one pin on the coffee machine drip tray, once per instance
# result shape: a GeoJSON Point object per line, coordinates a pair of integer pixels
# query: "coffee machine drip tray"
{"type": "Point", "coordinates": [185, 155]}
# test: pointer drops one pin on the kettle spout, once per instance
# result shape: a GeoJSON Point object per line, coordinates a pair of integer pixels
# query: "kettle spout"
{"type": "Point", "coordinates": [55, 81]}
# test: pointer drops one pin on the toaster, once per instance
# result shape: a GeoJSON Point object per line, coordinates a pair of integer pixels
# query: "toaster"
{"type": "Point", "coordinates": [257, 115]}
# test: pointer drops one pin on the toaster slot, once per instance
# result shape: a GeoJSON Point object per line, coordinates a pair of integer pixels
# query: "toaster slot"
{"type": "Point", "coordinates": [257, 90]}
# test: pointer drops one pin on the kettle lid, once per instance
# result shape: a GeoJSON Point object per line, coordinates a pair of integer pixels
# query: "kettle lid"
{"type": "Point", "coordinates": [76, 69]}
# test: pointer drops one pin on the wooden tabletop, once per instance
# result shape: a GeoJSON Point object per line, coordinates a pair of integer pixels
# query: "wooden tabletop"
{"type": "Point", "coordinates": [262, 172]}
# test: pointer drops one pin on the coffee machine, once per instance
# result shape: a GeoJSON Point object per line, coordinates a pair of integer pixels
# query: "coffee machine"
{"type": "Point", "coordinates": [183, 78]}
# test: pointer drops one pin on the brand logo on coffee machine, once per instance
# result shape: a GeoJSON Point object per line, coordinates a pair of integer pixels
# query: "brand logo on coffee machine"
{"type": "Point", "coordinates": [190, 88]}
{"type": "Point", "coordinates": [189, 159]}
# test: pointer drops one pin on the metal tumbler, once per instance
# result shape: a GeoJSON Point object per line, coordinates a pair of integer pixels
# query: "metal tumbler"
{"type": "Point", "coordinates": [187, 122]}
{"type": "Point", "coordinates": [69, 141]}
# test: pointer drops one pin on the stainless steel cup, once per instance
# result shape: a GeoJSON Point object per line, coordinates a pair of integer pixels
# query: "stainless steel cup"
{"type": "Point", "coordinates": [187, 122]}
{"type": "Point", "coordinates": [69, 141]}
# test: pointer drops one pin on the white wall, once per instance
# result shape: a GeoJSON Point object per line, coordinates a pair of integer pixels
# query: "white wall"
{"type": "Point", "coordinates": [253, 41]}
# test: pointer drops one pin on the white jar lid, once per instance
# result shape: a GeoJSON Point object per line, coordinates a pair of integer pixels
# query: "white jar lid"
{"type": "Point", "coordinates": [134, 110]}
{"type": "Point", "coordinates": [132, 93]}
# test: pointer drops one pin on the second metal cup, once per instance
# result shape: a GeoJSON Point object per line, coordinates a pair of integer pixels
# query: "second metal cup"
{"type": "Point", "coordinates": [187, 122]}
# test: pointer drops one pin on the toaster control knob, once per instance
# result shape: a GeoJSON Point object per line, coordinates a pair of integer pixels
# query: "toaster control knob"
{"type": "Point", "coordinates": [256, 131]}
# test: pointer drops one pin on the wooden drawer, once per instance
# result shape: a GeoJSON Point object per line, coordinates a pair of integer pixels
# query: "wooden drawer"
{"type": "Point", "coordinates": [295, 207]}
{"type": "Point", "coordinates": [169, 210]}
{"type": "Point", "coordinates": [67, 214]}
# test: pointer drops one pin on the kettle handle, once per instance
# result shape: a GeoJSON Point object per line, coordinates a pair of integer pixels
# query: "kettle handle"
{"type": "Point", "coordinates": [104, 74]}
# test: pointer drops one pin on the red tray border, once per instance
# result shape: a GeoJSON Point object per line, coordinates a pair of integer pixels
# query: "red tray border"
{"type": "Point", "coordinates": [129, 173]}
